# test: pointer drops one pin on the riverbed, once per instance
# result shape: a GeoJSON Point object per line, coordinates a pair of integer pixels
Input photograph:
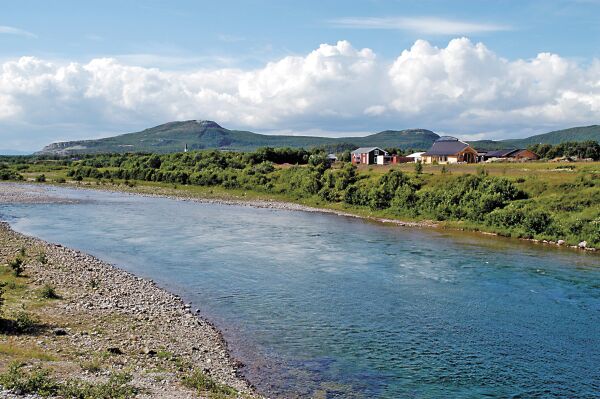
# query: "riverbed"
{"type": "Point", "coordinates": [316, 304]}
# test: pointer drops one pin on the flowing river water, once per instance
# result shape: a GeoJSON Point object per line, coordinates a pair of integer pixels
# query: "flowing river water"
{"type": "Point", "coordinates": [317, 305]}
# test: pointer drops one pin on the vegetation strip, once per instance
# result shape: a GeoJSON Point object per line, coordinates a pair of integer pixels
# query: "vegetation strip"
{"type": "Point", "coordinates": [73, 326]}
{"type": "Point", "coordinates": [553, 202]}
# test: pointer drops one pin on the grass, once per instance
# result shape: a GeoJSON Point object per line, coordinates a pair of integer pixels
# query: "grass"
{"type": "Point", "coordinates": [38, 380]}
{"type": "Point", "coordinates": [15, 351]}
{"type": "Point", "coordinates": [93, 366]}
{"type": "Point", "coordinates": [202, 383]}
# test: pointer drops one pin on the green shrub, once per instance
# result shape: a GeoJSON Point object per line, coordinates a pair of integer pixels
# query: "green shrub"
{"type": "Point", "coordinates": [42, 258]}
{"type": "Point", "coordinates": [48, 292]}
{"type": "Point", "coordinates": [40, 178]}
{"type": "Point", "coordinates": [17, 266]}
{"type": "Point", "coordinates": [35, 381]}
{"type": "Point", "coordinates": [418, 167]}
{"type": "Point", "coordinates": [2, 285]}
{"type": "Point", "coordinates": [24, 322]}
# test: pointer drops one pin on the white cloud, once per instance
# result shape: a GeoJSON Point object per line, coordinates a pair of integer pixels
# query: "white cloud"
{"type": "Point", "coordinates": [375, 110]}
{"type": "Point", "coordinates": [9, 30]}
{"type": "Point", "coordinates": [462, 89]}
{"type": "Point", "coordinates": [422, 25]}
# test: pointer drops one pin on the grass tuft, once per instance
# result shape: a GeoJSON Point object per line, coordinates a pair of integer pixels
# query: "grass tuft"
{"type": "Point", "coordinates": [202, 383]}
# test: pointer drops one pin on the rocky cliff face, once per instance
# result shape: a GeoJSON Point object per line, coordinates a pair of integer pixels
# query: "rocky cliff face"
{"type": "Point", "coordinates": [62, 148]}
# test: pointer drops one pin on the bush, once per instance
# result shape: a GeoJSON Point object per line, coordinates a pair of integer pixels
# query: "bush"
{"type": "Point", "coordinates": [24, 322]}
{"type": "Point", "coordinates": [2, 285]}
{"type": "Point", "coordinates": [418, 167]}
{"type": "Point", "coordinates": [36, 381]}
{"type": "Point", "coordinates": [40, 178]}
{"type": "Point", "coordinates": [48, 292]}
{"type": "Point", "coordinates": [525, 219]}
{"type": "Point", "coordinates": [42, 258]}
{"type": "Point", "coordinates": [17, 265]}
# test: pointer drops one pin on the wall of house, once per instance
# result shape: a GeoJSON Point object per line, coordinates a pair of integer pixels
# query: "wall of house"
{"type": "Point", "coordinates": [526, 154]}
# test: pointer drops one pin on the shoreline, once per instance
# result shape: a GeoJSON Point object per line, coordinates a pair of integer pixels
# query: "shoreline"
{"type": "Point", "coordinates": [292, 206]}
{"type": "Point", "coordinates": [129, 316]}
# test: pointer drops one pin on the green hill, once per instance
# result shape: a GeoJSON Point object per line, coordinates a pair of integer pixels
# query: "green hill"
{"type": "Point", "coordinates": [174, 136]}
{"type": "Point", "coordinates": [583, 133]}
{"type": "Point", "coordinates": [197, 135]}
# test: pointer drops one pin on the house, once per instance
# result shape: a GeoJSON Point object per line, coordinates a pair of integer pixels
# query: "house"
{"type": "Point", "coordinates": [450, 150]}
{"type": "Point", "coordinates": [511, 154]}
{"type": "Point", "coordinates": [332, 158]}
{"type": "Point", "coordinates": [415, 156]}
{"type": "Point", "coordinates": [366, 155]}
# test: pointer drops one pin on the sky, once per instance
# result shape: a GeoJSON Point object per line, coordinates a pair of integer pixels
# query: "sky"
{"type": "Point", "coordinates": [473, 69]}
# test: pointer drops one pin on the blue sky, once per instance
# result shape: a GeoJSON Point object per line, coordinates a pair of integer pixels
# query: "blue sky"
{"type": "Point", "coordinates": [211, 60]}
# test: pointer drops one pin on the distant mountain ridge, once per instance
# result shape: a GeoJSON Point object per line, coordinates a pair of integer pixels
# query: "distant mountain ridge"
{"type": "Point", "coordinates": [582, 133]}
{"type": "Point", "coordinates": [205, 134]}
{"type": "Point", "coordinates": [202, 134]}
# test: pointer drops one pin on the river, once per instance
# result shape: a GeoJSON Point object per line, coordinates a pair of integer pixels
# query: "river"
{"type": "Point", "coordinates": [318, 305]}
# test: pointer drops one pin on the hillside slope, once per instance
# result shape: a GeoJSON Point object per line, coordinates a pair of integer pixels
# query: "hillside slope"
{"type": "Point", "coordinates": [173, 136]}
{"type": "Point", "coordinates": [582, 133]}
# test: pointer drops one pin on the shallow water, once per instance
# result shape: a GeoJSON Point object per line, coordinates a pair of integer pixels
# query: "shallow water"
{"type": "Point", "coordinates": [317, 304]}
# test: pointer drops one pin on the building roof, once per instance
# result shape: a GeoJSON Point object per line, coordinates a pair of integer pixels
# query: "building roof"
{"type": "Point", "coordinates": [363, 150]}
{"type": "Point", "coordinates": [501, 153]}
{"type": "Point", "coordinates": [446, 146]}
{"type": "Point", "coordinates": [415, 155]}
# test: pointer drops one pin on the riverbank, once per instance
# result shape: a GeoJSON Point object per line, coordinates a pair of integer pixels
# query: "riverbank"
{"type": "Point", "coordinates": [105, 322]}
{"type": "Point", "coordinates": [233, 198]}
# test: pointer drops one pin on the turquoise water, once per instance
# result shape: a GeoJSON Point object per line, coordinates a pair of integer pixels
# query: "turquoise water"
{"type": "Point", "coordinates": [317, 304]}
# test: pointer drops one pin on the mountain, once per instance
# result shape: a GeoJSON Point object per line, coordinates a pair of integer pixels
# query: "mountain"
{"type": "Point", "coordinates": [174, 136]}
{"type": "Point", "coordinates": [583, 133]}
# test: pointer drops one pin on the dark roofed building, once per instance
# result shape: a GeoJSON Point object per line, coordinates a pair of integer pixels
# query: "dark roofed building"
{"type": "Point", "coordinates": [513, 153]}
{"type": "Point", "coordinates": [449, 149]}
{"type": "Point", "coordinates": [366, 155]}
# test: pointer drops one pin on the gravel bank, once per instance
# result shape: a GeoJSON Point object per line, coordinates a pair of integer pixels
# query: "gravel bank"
{"type": "Point", "coordinates": [149, 331]}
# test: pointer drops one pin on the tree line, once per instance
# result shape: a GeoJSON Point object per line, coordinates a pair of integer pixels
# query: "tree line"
{"type": "Point", "coordinates": [579, 149]}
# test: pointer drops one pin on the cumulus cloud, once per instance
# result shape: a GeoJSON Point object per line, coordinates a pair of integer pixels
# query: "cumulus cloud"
{"type": "Point", "coordinates": [463, 89]}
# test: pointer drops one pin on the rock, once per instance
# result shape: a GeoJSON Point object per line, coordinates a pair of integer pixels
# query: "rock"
{"type": "Point", "coordinates": [582, 244]}
{"type": "Point", "coordinates": [560, 242]}
{"type": "Point", "coordinates": [149, 352]}
{"type": "Point", "coordinates": [59, 332]}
